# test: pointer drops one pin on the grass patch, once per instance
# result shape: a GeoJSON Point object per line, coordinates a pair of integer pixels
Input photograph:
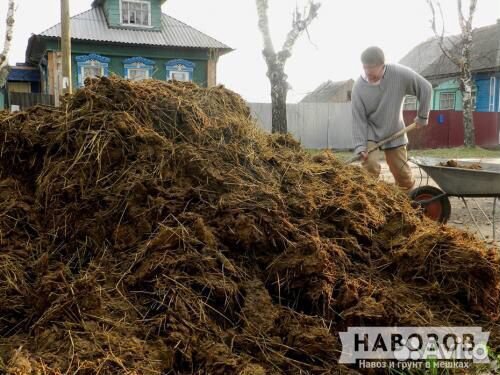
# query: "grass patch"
{"type": "Point", "coordinates": [445, 153]}
{"type": "Point", "coordinates": [457, 153]}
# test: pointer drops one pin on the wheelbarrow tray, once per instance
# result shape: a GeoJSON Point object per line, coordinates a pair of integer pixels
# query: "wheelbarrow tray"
{"type": "Point", "coordinates": [463, 182]}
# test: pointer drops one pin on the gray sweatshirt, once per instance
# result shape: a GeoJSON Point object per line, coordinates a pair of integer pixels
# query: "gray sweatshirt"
{"type": "Point", "coordinates": [378, 109]}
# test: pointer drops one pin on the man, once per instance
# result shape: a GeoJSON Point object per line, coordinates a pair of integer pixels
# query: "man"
{"type": "Point", "coordinates": [377, 102]}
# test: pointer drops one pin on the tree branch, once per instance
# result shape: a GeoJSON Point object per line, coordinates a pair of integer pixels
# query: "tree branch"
{"type": "Point", "coordinates": [466, 25]}
{"type": "Point", "coordinates": [262, 6]}
{"type": "Point", "coordinates": [440, 36]}
{"type": "Point", "coordinates": [299, 25]}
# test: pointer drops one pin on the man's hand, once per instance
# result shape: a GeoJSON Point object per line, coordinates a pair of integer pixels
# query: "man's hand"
{"type": "Point", "coordinates": [421, 123]}
{"type": "Point", "coordinates": [363, 155]}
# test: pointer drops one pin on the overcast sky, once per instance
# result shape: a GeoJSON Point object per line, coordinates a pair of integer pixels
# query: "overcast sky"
{"type": "Point", "coordinates": [331, 52]}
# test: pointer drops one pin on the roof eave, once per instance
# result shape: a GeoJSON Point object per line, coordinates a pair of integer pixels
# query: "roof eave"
{"type": "Point", "coordinates": [97, 3]}
{"type": "Point", "coordinates": [225, 51]}
{"type": "Point", "coordinates": [222, 50]}
{"type": "Point", "coordinates": [457, 74]}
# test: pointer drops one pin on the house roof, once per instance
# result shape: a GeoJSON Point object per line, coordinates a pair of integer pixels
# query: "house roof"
{"type": "Point", "coordinates": [23, 73]}
{"type": "Point", "coordinates": [324, 92]}
{"type": "Point", "coordinates": [428, 59]}
{"type": "Point", "coordinates": [93, 26]}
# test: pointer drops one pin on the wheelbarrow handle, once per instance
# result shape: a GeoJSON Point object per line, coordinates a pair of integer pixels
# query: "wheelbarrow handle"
{"type": "Point", "coordinates": [384, 141]}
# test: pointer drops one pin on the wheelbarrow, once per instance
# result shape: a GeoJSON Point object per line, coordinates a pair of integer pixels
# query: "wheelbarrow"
{"type": "Point", "coordinates": [457, 181]}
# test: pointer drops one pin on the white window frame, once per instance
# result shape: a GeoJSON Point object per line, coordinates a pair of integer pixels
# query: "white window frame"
{"type": "Point", "coordinates": [135, 24]}
{"type": "Point", "coordinates": [92, 64]}
{"type": "Point", "coordinates": [448, 93]}
{"type": "Point", "coordinates": [91, 60]}
{"type": "Point", "coordinates": [410, 100]}
{"type": "Point", "coordinates": [185, 73]}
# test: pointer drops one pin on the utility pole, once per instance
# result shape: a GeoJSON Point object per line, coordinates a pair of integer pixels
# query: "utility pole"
{"type": "Point", "coordinates": [66, 48]}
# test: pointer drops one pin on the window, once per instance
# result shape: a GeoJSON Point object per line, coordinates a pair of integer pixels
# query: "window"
{"type": "Point", "coordinates": [136, 12]}
{"type": "Point", "coordinates": [92, 71]}
{"type": "Point", "coordinates": [179, 76]}
{"type": "Point", "coordinates": [90, 66]}
{"type": "Point", "coordinates": [410, 103]}
{"type": "Point", "coordinates": [447, 100]}
{"type": "Point", "coordinates": [138, 74]}
{"type": "Point", "coordinates": [138, 68]}
{"type": "Point", "coordinates": [180, 70]}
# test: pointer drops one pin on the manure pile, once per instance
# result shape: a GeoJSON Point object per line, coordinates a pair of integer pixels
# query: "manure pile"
{"type": "Point", "coordinates": [152, 228]}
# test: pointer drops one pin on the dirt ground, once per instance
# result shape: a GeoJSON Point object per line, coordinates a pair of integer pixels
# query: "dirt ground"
{"type": "Point", "coordinates": [481, 208]}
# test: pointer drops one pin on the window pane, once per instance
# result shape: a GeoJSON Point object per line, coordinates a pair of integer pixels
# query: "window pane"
{"type": "Point", "coordinates": [91, 71]}
{"type": "Point", "coordinates": [180, 76]}
{"type": "Point", "coordinates": [135, 13]}
{"type": "Point", "coordinates": [447, 100]}
{"type": "Point", "coordinates": [145, 17]}
{"type": "Point", "coordinates": [125, 12]}
{"type": "Point", "coordinates": [138, 74]}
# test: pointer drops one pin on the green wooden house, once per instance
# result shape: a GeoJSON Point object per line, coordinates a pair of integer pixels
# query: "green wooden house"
{"type": "Point", "coordinates": [129, 38]}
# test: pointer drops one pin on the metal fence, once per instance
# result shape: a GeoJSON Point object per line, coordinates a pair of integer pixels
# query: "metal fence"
{"type": "Point", "coordinates": [22, 100]}
{"type": "Point", "coordinates": [315, 125]}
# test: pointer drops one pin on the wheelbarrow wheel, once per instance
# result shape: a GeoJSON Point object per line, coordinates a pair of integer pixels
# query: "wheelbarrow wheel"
{"type": "Point", "coordinates": [437, 209]}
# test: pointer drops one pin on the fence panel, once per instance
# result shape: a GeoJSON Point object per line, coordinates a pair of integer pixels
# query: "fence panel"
{"type": "Point", "coordinates": [26, 100]}
{"type": "Point", "coordinates": [315, 125]}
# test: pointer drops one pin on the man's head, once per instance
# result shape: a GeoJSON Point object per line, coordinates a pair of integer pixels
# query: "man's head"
{"type": "Point", "coordinates": [373, 60]}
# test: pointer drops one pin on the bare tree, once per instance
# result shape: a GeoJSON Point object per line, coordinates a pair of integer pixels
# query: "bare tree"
{"type": "Point", "coordinates": [460, 55]}
{"type": "Point", "coordinates": [276, 60]}
{"type": "Point", "coordinates": [4, 62]}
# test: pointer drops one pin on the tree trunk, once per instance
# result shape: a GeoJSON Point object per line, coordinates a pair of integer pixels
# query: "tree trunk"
{"type": "Point", "coordinates": [276, 61]}
{"type": "Point", "coordinates": [466, 84]}
{"type": "Point", "coordinates": [9, 30]}
{"type": "Point", "coordinates": [469, 131]}
{"type": "Point", "coordinates": [279, 88]}
{"type": "Point", "coordinates": [462, 61]}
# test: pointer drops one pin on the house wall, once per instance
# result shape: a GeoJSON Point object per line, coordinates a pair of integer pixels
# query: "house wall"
{"type": "Point", "coordinates": [118, 53]}
{"type": "Point", "coordinates": [211, 72]}
{"type": "Point", "coordinates": [342, 95]}
{"type": "Point", "coordinates": [113, 14]}
{"type": "Point", "coordinates": [19, 86]}
{"type": "Point", "coordinates": [484, 96]}
{"type": "Point", "coordinates": [446, 87]}
{"type": "Point", "coordinates": [483, 82]}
